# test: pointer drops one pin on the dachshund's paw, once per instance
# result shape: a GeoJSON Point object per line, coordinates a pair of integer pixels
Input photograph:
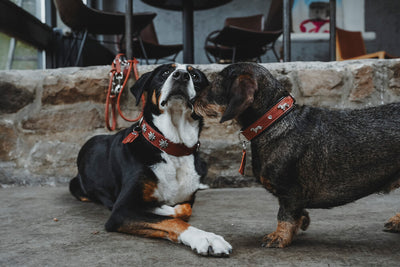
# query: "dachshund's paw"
{"type": "Point", "coordinates": [276, 240]}
{"type": "Point", "coordinates": [393, 225]}
{"type": "Point", "coordinates": [282, 237]}
{"type": "Point", "coordinates": [304, 220]}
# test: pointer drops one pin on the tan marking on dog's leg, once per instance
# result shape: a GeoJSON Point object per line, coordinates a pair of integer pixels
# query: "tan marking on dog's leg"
{"type": "Point", "coordinates": [84, 199]}
{"type": "Point", "coordinates": [148, 191]}
{"type": "Point", "coordinates": [283, 235]}
{"type": "Point", "coordinates": [179, 231]}
{"type": "Point", "coordinates": [168, 229]}
{"type": "Point", "coordinates": [173, 228]}
{"type": "Point", "coordinates": [183, 211]}
{"type": "Point", "coordinates": [267, 184]}
{"type": "Point", "coordinates": [393, 225]}
{"type": "Point", "coordinates": [395, 185]}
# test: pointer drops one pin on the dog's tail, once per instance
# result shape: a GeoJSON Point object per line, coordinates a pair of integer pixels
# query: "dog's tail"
{"type": "Point", "coordinates": [76, 189]}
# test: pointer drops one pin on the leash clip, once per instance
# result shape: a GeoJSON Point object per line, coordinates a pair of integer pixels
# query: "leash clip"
{"type": "Point", "coordinates": [138, 127]}
{"type": "Point", "coordinates": [243, 141]}
{"type": "Point", "coordinates": [198, 146]}
{"type": "Point", "coordinates": [124, 64]}
{"type": "Point", "coordinates": [136, 132]}
{"type": "Point", "coordinates": [244, 145]}
{"type": "Point", "coordinates": [244, 153]}
{"type": "Point", "coordinates": [117, 83]}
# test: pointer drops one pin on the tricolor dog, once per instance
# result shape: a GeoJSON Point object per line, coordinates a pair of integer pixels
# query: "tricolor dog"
{"type": "Point", "coordinates": [307, 157]}
{"type": "Point", "coordinates": [148, 174]}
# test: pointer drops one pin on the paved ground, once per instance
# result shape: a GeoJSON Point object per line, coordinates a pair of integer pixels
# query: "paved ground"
{"type": "Point", "coordinates": [343, 236]}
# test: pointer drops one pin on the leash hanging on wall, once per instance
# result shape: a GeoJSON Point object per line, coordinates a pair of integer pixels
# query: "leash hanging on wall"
{"type": "Point", "coordinates": [121, 69]}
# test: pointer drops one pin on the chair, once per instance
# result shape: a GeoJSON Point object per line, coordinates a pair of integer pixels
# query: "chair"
{"type": "Point", "coordinates": [146, 46]}
{"type": "Point", "coordinates": [83, 20]}
{"type": "Point", "coordinates": [350, 45]}
{"type": "Point", "coordinates": [241, 39]}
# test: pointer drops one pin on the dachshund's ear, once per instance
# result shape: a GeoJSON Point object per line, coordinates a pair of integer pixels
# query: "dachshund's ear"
{"type": "Point", "coordinates": [141, 85]}
{"type": "Point", "coordinates": [241, 96]}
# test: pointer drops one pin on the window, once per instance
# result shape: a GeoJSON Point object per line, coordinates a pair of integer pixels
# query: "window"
{"type": "Point", "coordinates": [18, 55]}
{"type": "Point", "coordinates": [310, 18]}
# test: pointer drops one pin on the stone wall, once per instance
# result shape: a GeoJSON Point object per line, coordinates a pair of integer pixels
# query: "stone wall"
{"type": "Point", "coordinates": [46, 116]}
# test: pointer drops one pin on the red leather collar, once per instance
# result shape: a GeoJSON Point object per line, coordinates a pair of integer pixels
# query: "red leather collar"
{"type": "Point", "coordinates": [159, 141]}
{"type": "Point", "coordinates": [281, 108]}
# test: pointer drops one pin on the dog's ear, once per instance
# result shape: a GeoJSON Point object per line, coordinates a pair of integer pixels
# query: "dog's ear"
{"type": "Point", "coordinates": [241, 96]}
{"type": "Point", "coordinates": [141, 85]}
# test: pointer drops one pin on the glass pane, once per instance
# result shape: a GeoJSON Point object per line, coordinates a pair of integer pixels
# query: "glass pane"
{"type": "Point", "coordinates": [4, 46]}
{"type": "Point", "coordinates": [28, 5]}
{"type": "Point", "coordinates": [23, 56]}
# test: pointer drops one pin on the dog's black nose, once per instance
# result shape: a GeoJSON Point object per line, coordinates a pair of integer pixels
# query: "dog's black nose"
{"type": "Point", "coordinates": [181, 75]}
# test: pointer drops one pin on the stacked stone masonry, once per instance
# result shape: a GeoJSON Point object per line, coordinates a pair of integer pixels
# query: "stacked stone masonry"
{"type": "Point", "coordinates": [47, 115]}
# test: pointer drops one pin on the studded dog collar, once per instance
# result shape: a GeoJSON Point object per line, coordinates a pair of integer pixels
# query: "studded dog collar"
{"type": "Point", "coordinates": [158, 140]}
{"type": "Point", "coordinates": [281, 108]}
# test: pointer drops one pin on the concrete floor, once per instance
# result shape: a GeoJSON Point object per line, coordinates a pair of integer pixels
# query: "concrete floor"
{"type": "Point", "coordinates": [343, 236]}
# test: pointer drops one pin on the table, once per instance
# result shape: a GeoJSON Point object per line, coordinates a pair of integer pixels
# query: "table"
{"type": "Point", "coordinates": [187, 7]}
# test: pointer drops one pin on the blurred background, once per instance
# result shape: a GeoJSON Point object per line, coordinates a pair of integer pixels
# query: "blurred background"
{"type": "Point", "coordinates": [377, 20]}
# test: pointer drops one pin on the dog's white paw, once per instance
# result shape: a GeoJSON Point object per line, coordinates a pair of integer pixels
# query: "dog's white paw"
{"type": "Point", "coordinates": [203, 186]}
{"type": "Point", "coordinates": [205, 243]}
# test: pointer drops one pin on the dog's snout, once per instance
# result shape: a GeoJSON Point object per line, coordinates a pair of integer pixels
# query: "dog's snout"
{"type": "Point", "coordinates": [181, 75]}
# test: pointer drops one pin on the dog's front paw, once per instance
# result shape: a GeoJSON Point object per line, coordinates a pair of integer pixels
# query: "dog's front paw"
{"type": "Point", "coordinates": [276, 240]}
{"type": "Point", "coordinates": [205, 243]}
{"type": "Point", "coordinates": [393, 225]}
{"type": "Point", "coordinates": [282, 237]}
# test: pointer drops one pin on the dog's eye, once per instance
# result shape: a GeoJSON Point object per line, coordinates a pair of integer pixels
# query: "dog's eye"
{"type": "Point", "coordinates": [194, 76]}
{"type": "Point", "coordinates": [166, 73]}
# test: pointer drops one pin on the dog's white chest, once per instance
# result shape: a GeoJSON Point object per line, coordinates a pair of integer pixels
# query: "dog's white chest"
{"type": "Point", "coordinates": [177, 179]}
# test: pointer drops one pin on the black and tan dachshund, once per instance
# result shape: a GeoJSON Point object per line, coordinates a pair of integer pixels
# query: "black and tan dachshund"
{"type": "Point", "coordinates": [308, 157]}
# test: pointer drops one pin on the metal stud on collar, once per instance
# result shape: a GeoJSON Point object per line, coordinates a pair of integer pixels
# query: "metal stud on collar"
{"type": "Point", "coordinates": [284, 106]}
{"type": "Point", "coordinates": [151, 136]}
{"type": "Point", "coordinates": [163, 143]}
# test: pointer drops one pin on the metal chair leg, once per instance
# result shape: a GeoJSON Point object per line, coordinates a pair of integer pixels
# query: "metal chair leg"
{"type": "Point", "coordinates": [74, 42]}
{"type": "Point", "coordinates": [174, 58]}
{"type": "Point", "coordinates": [274, 51]}
{"type": "Point", "coordinates": [81, 47]}
{"type": "Point", "coordinates": [233, 54]}
{"type": "Point", "coordinates": [11, 50]}
{"type": "Point", "coordinates": [276, 55]}
{"type": "Point", "coordinates": [143, 50]}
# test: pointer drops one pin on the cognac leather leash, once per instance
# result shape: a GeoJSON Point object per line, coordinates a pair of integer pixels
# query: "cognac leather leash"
{"type": "Point", "coordinates": [121, 69]}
